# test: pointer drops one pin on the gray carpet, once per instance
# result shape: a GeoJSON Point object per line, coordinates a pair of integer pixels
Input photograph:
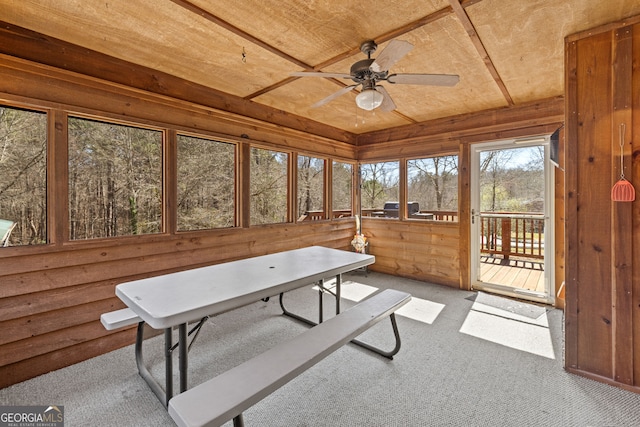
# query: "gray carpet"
{"type": "Point", "coordinates": [462, 363]}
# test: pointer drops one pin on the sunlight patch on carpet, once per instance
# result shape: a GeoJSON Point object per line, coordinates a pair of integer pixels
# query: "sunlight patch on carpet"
{"type": "Point", "coordinates": [523, 336]}
{"type": "Point", "coordinates": [419, 309]}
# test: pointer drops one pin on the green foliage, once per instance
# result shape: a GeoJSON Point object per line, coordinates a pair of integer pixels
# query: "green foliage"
{"type": "Point", "coordinates": [379, 184]}
{"type": "Point", "coordinates": [115, 180]}
{"type": "Point", "coordinates": [23, 174]}
{"type": "Point", "coordinates": [268, 186]}
{"type": "Point", "coordinates": [310, 184]}
{"type": "Point", "coordinates": [206, 184]}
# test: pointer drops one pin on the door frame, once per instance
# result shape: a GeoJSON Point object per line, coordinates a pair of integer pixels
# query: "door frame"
{"type": "Point", "coordinates": [549, 213]}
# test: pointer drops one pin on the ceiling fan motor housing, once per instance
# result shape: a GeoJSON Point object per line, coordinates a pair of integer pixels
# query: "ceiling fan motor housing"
{"type": "Point", "coordinates": [361, 71]}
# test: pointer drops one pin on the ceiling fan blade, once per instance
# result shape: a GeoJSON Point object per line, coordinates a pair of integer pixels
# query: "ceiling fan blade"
{"type": "Point", "coordinates": [387, 102]}
{"type": "Point", "coordinates": [391, 54]}
{"type": "Point", "coordinates": [320, 74]}
{"type": "Point", "coordinates": [424, 79]}
{"type": "Point", "coordinates": [333, 96]}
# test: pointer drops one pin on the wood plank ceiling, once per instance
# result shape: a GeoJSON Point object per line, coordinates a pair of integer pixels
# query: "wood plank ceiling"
{"type": "Point", "coordinates": [506, 52]}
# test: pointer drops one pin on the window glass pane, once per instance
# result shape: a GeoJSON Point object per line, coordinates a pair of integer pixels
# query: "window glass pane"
{"type": "Point", "coordinates": [206, 184]}
{"type": "Point", "coordinates": [115, 180]}
{"type": "Point", "coordinates": [268, 186]}
{"type": "Point", "coordinates": [342, 189]}
{"type": "Point", "coordinates": [23, 177]}
{"type": "Point", "coordinates": [380, 188]}
{"type": "Point", "coordinates": [433, 188]}
{"type": "Point", "coordinates": [512, 180]}
{"type": "Point", "coordinates": [310, 188]}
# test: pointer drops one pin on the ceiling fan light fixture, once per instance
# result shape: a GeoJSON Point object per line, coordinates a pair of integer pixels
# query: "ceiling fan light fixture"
{"type": "Point", "coordinates": [369, 99]}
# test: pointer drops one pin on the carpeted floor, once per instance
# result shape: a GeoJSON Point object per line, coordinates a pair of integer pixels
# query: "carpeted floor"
{"type": "Point", "coordinates": [467, 359]}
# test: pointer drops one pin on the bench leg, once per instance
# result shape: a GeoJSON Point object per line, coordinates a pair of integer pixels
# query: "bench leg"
{"type": "Point", "coordinates": [387, 354]}
{"type": "Point", "coordinates": [238, 421]}
{"type": "Point", "coordinates": [392, 316]}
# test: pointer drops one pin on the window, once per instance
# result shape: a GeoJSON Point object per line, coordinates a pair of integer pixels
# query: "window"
{"type": "Point", "coordinates": [310, 188]}
{"type": "Point", "coordinates": [206, 184]}
{"type": "Point", "coordinates": [379, 183]}
{"type": "Point", "coordinates": [115, 180]}
{"type": "Point", "coordinates": [342, 189]}
{"type": "Point", "coordinates": [23, 177]}
{"type": "Point", "coordinates": [268, 186]}
{"type": "Point", "coordinates": [432, 191]}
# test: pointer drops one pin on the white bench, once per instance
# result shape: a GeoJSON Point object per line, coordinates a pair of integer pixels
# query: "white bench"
{"type": "Point", "coordinates": [229, 394]}
{"type": "Point", "coordinates": [119, 319]}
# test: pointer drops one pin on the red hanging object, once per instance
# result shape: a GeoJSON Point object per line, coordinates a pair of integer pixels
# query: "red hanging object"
{"type": "Point", "coordinates": [622, 190]}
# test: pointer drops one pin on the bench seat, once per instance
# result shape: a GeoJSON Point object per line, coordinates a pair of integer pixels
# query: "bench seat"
{"type": "Point", "coordinates": [229, 394]}
{"type": "Point", "coordinates": [119, 319]}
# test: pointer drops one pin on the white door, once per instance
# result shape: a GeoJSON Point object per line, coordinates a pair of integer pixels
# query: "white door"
{"type": "Point", "coordinates": [511, 207]}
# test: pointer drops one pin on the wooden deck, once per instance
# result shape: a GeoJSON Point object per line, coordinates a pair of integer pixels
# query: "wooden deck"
{"type": "Point", "coordinates": [516, 273]}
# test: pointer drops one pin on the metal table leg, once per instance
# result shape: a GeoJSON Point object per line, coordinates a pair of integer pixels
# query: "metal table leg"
{"type": "Point", "coordinates": [183, 364]}
{"type": "Point", "coordinates": [337, 294]}
{"type": "Point", "coordinates": [184, 358]}
{"type": "Point", "coordinates": [161, 394]}
{"type": "Point", "coordinates": [321, 291]}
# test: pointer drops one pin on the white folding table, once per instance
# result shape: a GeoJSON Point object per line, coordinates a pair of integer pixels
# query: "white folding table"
{"type": "Point", "coordinates": [170, 300]}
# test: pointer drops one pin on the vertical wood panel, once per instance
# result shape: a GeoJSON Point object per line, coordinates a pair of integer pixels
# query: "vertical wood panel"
{"type": "Point", "coordinates": [622, 248]}
{"type": "Point", "coordinates": [603, 237]}
{"type": "Point", "coordinates": [559, 220]}
{"type": "Point", "coordinates": [464, 215]}
{"type": "Point", "coordinates": [571, 206]}
{"type": "Point", "coordinates": [634, 174]}
{"type": "Point", "coordinates": [594, 205]}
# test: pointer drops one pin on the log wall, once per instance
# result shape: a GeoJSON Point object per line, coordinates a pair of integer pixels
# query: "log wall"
{"type": "Point", "coordinates": [51, 296]}
{"type": "Point", "coordinates": [50, 303]}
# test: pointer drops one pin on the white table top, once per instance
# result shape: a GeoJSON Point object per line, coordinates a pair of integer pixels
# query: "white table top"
{"type": "Point", "coordinates": [172, 299]}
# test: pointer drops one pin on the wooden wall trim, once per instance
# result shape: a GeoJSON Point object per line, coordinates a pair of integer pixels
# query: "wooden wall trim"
{"type": "Point", "coordinates": [46, 86]}
{"type": "Point", "coordinates": [26, 44]}
{"type": "Point", "coordinates": [571, 206]}
{"type": "Point", "coordinates": [612, 26]}
{"type": "Point", "coordinates": [456, 127]}
{"type": "Point", "coordinates": [464, 215]}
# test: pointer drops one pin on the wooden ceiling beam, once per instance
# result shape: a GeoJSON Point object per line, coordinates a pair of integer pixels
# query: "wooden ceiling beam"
{"type": "Point", "coordinates": [39, 48]}
{"type": "Point", "coordinates": [547, 111]}
{"type": "Point", "coordinates": [460, 12]}
{"type": "Point", "coordinates": [354, 51]}
{"type": "Point", "coordinates": [237, 31]}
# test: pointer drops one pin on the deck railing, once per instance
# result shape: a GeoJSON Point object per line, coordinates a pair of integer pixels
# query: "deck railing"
{"type": "Point", "coordinates": [451, 216]}
{"type": "Point", "coordinates": [319, 215]}
{"type": "Point", "coordinates": [512, 234]}
{"type": "Point", "coordinates": [525, 231]}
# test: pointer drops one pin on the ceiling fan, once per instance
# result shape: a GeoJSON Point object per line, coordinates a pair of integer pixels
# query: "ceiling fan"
{"type": "Point", "coordinates": [369, 72]}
